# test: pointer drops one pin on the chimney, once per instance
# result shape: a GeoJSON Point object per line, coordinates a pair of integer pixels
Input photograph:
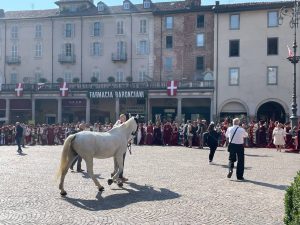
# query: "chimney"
{"type": "Point", "coordinates": [192, 3]}
{"type": "Point", "coordinates": [2, 14]}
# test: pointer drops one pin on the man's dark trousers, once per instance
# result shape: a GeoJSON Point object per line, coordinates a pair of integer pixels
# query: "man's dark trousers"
{"type": "Point", "coordinates": [237, 154]}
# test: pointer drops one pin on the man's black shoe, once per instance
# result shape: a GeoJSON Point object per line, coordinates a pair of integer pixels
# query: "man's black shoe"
{"type": "Point", "coordinates": [241, 178]}
{"type": "Point", "coordinates": [229, 174]}
{"type": "Point", "coordinates": [80, 170]}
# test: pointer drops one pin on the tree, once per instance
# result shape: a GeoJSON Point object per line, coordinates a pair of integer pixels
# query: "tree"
{"type": "Point", "coordinates": [129, 79]}
{"type": "Point", "coordinates": [76, 80]}
{"type": "Point", "coordinates": [94, 79]}
{"type": "Point", "coordinates": [42, 80]}
{"type": "Point", "coordinates": [111, 79]}
{"type": "Point", "coordinates": [59, 80]}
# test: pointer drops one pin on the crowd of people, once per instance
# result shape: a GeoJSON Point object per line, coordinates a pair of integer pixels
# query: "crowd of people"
{"type": "Point", "coordinates": [189, 134]}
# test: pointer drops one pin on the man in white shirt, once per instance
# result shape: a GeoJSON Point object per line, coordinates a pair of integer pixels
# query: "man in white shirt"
{"type": "Point", "coordinates": [236, 135]}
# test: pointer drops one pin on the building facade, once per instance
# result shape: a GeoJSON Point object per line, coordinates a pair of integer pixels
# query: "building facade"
{"type": "Point", "coordinates": [253, 76]}
{"type": "Point", "coordinates": [86, 45]}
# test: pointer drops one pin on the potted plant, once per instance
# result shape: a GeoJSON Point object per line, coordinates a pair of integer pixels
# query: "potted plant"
{"type": "Point", "coordinates": [75, 80]}
{"type": "Point", "coordinates": [94, 79]}
{"type": "Point", "coordinates": [42, 80]}
{"type": "Point", "coordinates": [59, 80]}
{"type": "Point", "coordinates": [111, 79]}
{"type": "Point", "coordinates": [129, 79]}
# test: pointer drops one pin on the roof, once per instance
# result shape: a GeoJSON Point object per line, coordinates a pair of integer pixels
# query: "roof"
{"type": "Point", "coordinates": [156, 8]}
{"type": "Point", "coordinates": [251, 6]}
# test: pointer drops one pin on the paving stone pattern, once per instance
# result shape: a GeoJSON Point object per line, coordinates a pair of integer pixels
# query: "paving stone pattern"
{"type": "Point", "coordinates": [167, 185]}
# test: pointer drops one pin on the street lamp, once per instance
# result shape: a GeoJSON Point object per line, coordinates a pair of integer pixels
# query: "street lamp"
{"type": "Point", "coordinates": [294, 14]}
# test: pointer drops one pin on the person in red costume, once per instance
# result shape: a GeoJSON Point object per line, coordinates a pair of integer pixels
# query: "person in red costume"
{"type": "Point", "coordinates": [149, 133]}
{"type": "Point", "coordinates": [167, 133]}
{"type": "Point", "coordinates": [174, 134]}
{"type": "Point", "coordinates": [270, 134]}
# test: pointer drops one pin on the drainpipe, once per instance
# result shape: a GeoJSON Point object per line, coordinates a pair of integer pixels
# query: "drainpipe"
{"type": "Point", "coordinates": [52, 51]}
{"type": "Point", "coordinates": [161, 41]}
{"type": "Point", "coordinates": [81, 50]}
{"type": "Point", "coordinates": [217, 62]}
{"type": "Point", "coordinates": [131, 41]}
{"type": "Point", "coordinates": [4, 67]}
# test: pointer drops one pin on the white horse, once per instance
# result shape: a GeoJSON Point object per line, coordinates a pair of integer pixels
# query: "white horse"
{"type": "Point", "coordinates": [91, 145]}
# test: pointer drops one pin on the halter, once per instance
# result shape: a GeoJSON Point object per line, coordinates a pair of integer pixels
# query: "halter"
{"type": "Point", "coordinates": [137, 123]}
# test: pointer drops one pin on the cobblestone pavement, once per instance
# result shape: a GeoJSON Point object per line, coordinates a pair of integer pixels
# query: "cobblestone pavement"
{"type": "Point", "coordinates": [167, 185]}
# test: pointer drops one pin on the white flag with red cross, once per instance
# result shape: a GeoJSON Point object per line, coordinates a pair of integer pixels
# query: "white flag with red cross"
{"type": "Point", "coordinates": [64, 89]}
{"type": "Point", "coordinates": [172, 86]}
{"type": "Point", "coordinates": [19, 89]}
{"type": "Point", "coordinates": [290, 53]}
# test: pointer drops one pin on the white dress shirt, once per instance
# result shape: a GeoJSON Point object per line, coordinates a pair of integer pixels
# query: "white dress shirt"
{"type": "Point", "coordinates": [239, 136]}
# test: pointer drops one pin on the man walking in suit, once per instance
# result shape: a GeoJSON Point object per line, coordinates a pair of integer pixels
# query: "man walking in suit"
{"type": "Point", "coordinates": [19, 135]}
{"type": "Point", "coordinates": [236, 135]}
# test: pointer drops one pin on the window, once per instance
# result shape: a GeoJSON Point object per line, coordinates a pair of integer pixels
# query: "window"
{"type": "Point", "coordinates": [96, 49]}
{"type": "Point", "coordinates": [200, 21]}
{"type": "Point", "coordinates": [37, 76]}
{"type": "Point", "coordinates": [234, 48]}
{"type": "Point", "coordinates": [96, 30]}
{"type": "Point", "coordinates": [200, 40]}
{"type": "Point", "coordinates": [68, 49]}
{"type": "Point", "coordinates": [272, 75]}
{"type": "Point", "coordinates": [121, 49]}
{"type": "Point", "coordinates": [38, 50]}
{"type": "Point", "coordinates": [147, 4]}
{"type": "Point", "coordinates": [169, 22]}
{"type": "Point", "coordinates": [168, 64]}
{"type": "Point", "coordinates": [14, 51]}
{"type": "Point", "coordinates": [13, 78]}
{"type": "Point", "coordinates": [200, 63]}
{"type": "Point", "coordinates": [120, 76]}
{"type": "Point", "coordinates": [96, 74]}
{"type": "Point", "coordinates": [142, 76]}
{"type": "Point", "coordinates": [38, 31]}
{"type": "Point", "coordinates": [69, 30]}
{"type": "Point", "coordinates": [120, 27]}
{"type": "Point", "coordinates": [100, 7]}
{"type": "Point", "coordinates": [68, 77]}
{"type": "Point", "coordinates": [143, 26]}
{"type": "Point", "coordinates": [142, 48]}
{"type": "Point", "coordinates": [126, 5]}
{"type": "Point", "coordinates": [234, 76]}
{"type": "Point", "coordinates": [273, 19]}
{"type": "Point", "coordinates": [169, 41]}
{"type": "Point", "coordinates": [234, 22]}
{"type": "Point", "coordinates": [272, 46]}
{"type": "Point", "coordinates": [14, 32]}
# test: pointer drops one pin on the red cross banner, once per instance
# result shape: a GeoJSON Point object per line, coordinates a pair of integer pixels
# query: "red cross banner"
{"type": "Point", "coordinates": [172, 87]}
{"type": "Point", "coordinates": [19, 89]}
{"type": "Point", "coordinates": [64, 89]}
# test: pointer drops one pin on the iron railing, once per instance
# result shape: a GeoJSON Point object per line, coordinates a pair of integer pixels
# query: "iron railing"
{"type": "Point", "coordinates": [10, 60]}
{"type": "Point", "coordinates": [67, 58]}
{"type": "Point", "coordinates": [146, 85]}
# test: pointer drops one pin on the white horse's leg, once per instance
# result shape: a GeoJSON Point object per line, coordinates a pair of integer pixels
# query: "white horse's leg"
{"type": "Point", "coordinates": [115, 167]}
{"type": "Point", "coordinates": [89, 166]}
{"type": "Point", "coordinates": [64, 172]}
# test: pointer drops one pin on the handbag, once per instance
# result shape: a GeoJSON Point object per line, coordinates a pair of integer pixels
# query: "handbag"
{"type": "Point", "coordinates": [229, 145]}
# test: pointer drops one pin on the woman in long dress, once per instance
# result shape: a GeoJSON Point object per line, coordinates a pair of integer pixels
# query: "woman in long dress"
{"type": "Point", "coordinates": [279, 136]}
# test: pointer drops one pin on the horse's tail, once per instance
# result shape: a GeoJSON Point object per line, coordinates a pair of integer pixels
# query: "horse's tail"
{"type": "Point", "coordinates": [65, 155]}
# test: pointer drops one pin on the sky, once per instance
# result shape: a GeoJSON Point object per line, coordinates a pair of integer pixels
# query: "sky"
{"type": "Point", "coordinates": [16, 5]}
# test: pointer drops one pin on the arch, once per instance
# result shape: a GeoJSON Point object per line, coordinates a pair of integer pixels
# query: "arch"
{"type": "Point", "coordinates": [236, 105]}
{"type": "Point", "coordinates": [233, 108]}
{"type": "Point", "coordinates": [271, 110]}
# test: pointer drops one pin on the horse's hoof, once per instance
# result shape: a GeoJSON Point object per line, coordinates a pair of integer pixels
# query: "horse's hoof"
{"type": "Point", "coordinates": [63, 193]}
{"type": "Point", "coordinates": [101, 189]}
{"type": "Point", "coordinates": [109, 181]}
{"type": "Point", "coordinates": [120, 184]}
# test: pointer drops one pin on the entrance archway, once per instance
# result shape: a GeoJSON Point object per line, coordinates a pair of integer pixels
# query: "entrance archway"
{"type": "Point", "coordinates": [271, 111]}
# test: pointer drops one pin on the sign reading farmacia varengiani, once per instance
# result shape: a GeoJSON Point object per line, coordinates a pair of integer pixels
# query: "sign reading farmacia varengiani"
{"type": "Point", "coordinates": [116, 94]}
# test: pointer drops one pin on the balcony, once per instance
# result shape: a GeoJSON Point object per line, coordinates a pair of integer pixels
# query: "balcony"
{"type": "Point", "coordinates": [67, 58]}
{"type": "Point", "coordinates": [13, 60]}
{"type": "Point", "coordinates": [117, 57]}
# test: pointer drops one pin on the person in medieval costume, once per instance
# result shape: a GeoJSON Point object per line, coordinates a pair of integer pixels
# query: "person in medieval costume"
{"type": "Point", "coordinates": [175, 134]}
{"type": "Point", "coordinates": [270, 134]}
{"type": "Point", "coordinates": [149, 134]}
{"type": "Point", "coordinates": [157, 134]}
{"type": "Point", "coordinates": [167, 133]}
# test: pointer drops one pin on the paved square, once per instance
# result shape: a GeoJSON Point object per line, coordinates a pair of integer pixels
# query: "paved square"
{"type": "Point", "coordinates": [167, 185]}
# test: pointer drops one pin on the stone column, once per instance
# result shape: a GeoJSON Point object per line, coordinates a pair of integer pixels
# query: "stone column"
{"type": "Point", "coordinates": [7, 111]}
{"type": "Point", "coordinates": [88, 110]}
{"type": "Point", "coordinates": [179, 109]}
{"type": "Point", "coordinates": [59, 110]}
{"type": "Point", "coordinates": [149, 114]}
{"type": "Point", "coordinates": [33, 109]}
{"type": "Point", "coordinates": [117, 108]}
{"type": "Point", "coordinates": [212, 116]}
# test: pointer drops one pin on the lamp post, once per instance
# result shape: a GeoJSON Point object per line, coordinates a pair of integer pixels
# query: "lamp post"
{"type": "Point", "coordinates": [294, 14]}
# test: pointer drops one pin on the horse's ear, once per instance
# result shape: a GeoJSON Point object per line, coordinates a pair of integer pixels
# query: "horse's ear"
{"type": "Point", "coordinates": [136, 120]}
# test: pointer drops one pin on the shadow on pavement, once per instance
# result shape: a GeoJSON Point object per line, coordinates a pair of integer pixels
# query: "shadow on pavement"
{"type": "Point", "coordinates": [258, 155]}
{"type": "Point", "coordinates": [275, 186]}
{"type": "Point", "coordinates": [226, 166]}
{"type": "Point", "coordinates": [115, 201]}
